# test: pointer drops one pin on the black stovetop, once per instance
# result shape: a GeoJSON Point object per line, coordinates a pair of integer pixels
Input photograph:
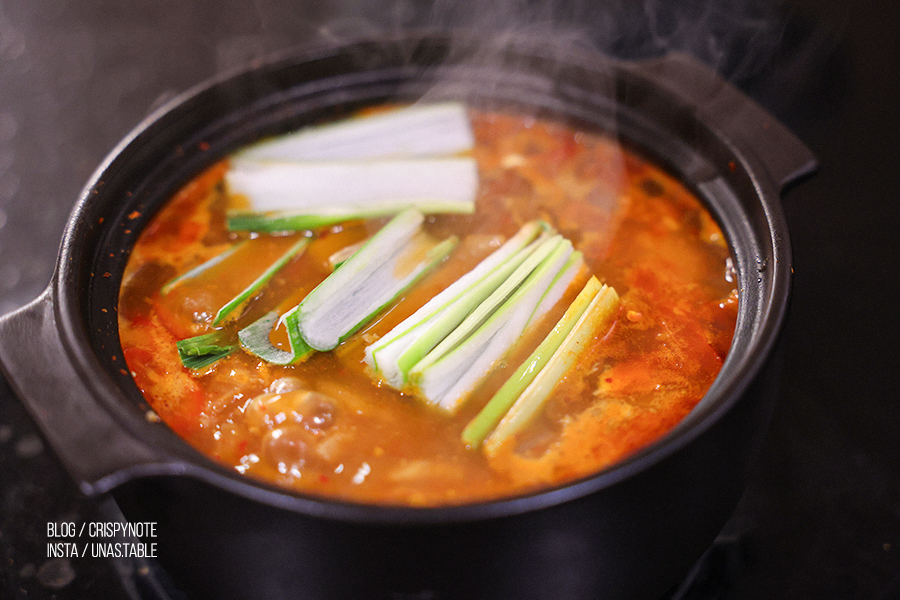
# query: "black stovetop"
{"type": "Point", "coordinates": [821, 515]}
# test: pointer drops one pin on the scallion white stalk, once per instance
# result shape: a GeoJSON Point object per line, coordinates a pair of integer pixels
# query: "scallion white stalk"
{"type": "Point", "coordinates": [488, 417]}
{"type": "Point", "coordinates": [367, 281]}
{"type": "Point", "coordinates": [449, 379]}
{"type": "Point", "coordinates": [323, 190]}
{"type": "Point", "coordinates": [426, 129]}
{"type": "Point", "coordinates": [395, 353]}
{"type": "Point", "coordinates": [534, 397]}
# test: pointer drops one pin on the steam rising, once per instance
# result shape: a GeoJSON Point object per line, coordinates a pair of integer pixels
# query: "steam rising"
{"type": "Point", "coordinates": [738, 38]}
{"type": "Point", "coordinates": [742, 40]}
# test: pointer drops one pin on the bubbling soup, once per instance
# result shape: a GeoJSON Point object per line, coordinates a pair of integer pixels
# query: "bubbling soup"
{"type": "Point", "coordinates": [216, 282]}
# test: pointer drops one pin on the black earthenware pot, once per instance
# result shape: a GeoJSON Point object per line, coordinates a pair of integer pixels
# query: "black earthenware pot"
{"type": "Point", "coordinates": [629, 531]}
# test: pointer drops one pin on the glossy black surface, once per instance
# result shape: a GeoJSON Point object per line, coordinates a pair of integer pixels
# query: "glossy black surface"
{"type": "Point", "coordinates": [821, 516]}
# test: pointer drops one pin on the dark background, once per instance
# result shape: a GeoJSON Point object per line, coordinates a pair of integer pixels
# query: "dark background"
{"type": "Point", "coordinates": [821, 516]}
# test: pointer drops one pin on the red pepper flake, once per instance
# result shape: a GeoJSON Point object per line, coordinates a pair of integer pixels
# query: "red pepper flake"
{"type": "Point", "coordinates": [107, 274]}
{"type": "Point", "coordinates": [103, 310]}
{"type": "Point", "coordinates": [100, 221]}
{"type": "Point", "coordinates": [123, 371]}
{"type": "Point", "coordinates": [204, 146]}
{"type": "Point", "coordinates": [134, 215]}
{"type": "Point", "coordinates": [114, 358]}
{"type": "Point", "coordinates": [242, 446]}
{"type": "Point", "coordinates": [608, 380]}
{"type": "Point", "coordinates": [324, 478]}
{"type": "Point", "coordinates": [127, 231]}
{"type": "Point", "coordinates": [732, 166]}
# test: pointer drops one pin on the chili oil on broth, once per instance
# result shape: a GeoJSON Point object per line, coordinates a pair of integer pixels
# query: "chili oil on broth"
{"type": "Point", "coordinates": [325, 427]}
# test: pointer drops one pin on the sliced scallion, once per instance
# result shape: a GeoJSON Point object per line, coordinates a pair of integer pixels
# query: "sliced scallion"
{"type": "Point", "coordinates": [324, 329]}
{"type": "Point", "coordinates": [535, 395]}
{"type": "Point", "coordinates": [381, 269]}
{"type": "Point", "coordinates": [203, 350]}
{"type": "Point", "coordinates": [535, 254]}
{"type": "Point", "coordinates": [318, 193]}
{"type": "Point", "coordinates": [395, 353]}
{"type": "Point", "coordinates": [276, 222]}
{"type": "Point", "coordinates": [265, 276]}
{"type": "Point", "coordinates": [479, 427]}
{"type": "Point", "coordinates": [374, 276]}
{"type": "Point", "coordinates": [572, 268]}
{"type": "Point", "coordinates": [201, 268]}
{"type": "Point", "coordinates": [255, 339]}
{"type": "Point", "coordinates": [340, 257]}
{"type": "Point", "coordinates": [417, 130]}
{"type": "Point", "coordinates": [448, 374]}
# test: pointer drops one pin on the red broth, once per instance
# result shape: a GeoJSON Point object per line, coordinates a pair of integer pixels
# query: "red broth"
{"type": "Point", "coordinates": [326, 427]}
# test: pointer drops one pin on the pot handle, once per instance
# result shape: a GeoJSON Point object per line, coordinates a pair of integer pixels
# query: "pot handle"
{"type": "Point", "coordinates": [96, 450]}
{"type": "Point", "coordinates": [781, 153]}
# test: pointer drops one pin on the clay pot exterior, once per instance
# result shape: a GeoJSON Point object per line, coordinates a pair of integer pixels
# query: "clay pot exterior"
{"type": "Point", "coordinates": [630, 531]}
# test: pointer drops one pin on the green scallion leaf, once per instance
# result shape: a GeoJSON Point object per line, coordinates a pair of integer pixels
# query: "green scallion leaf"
{"type": "Point", "coordinates": [203, 350]}
{"type": "Point", "coordinates": [255, 339]}
{"type": "Point", "coordinates": [260, 281]}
